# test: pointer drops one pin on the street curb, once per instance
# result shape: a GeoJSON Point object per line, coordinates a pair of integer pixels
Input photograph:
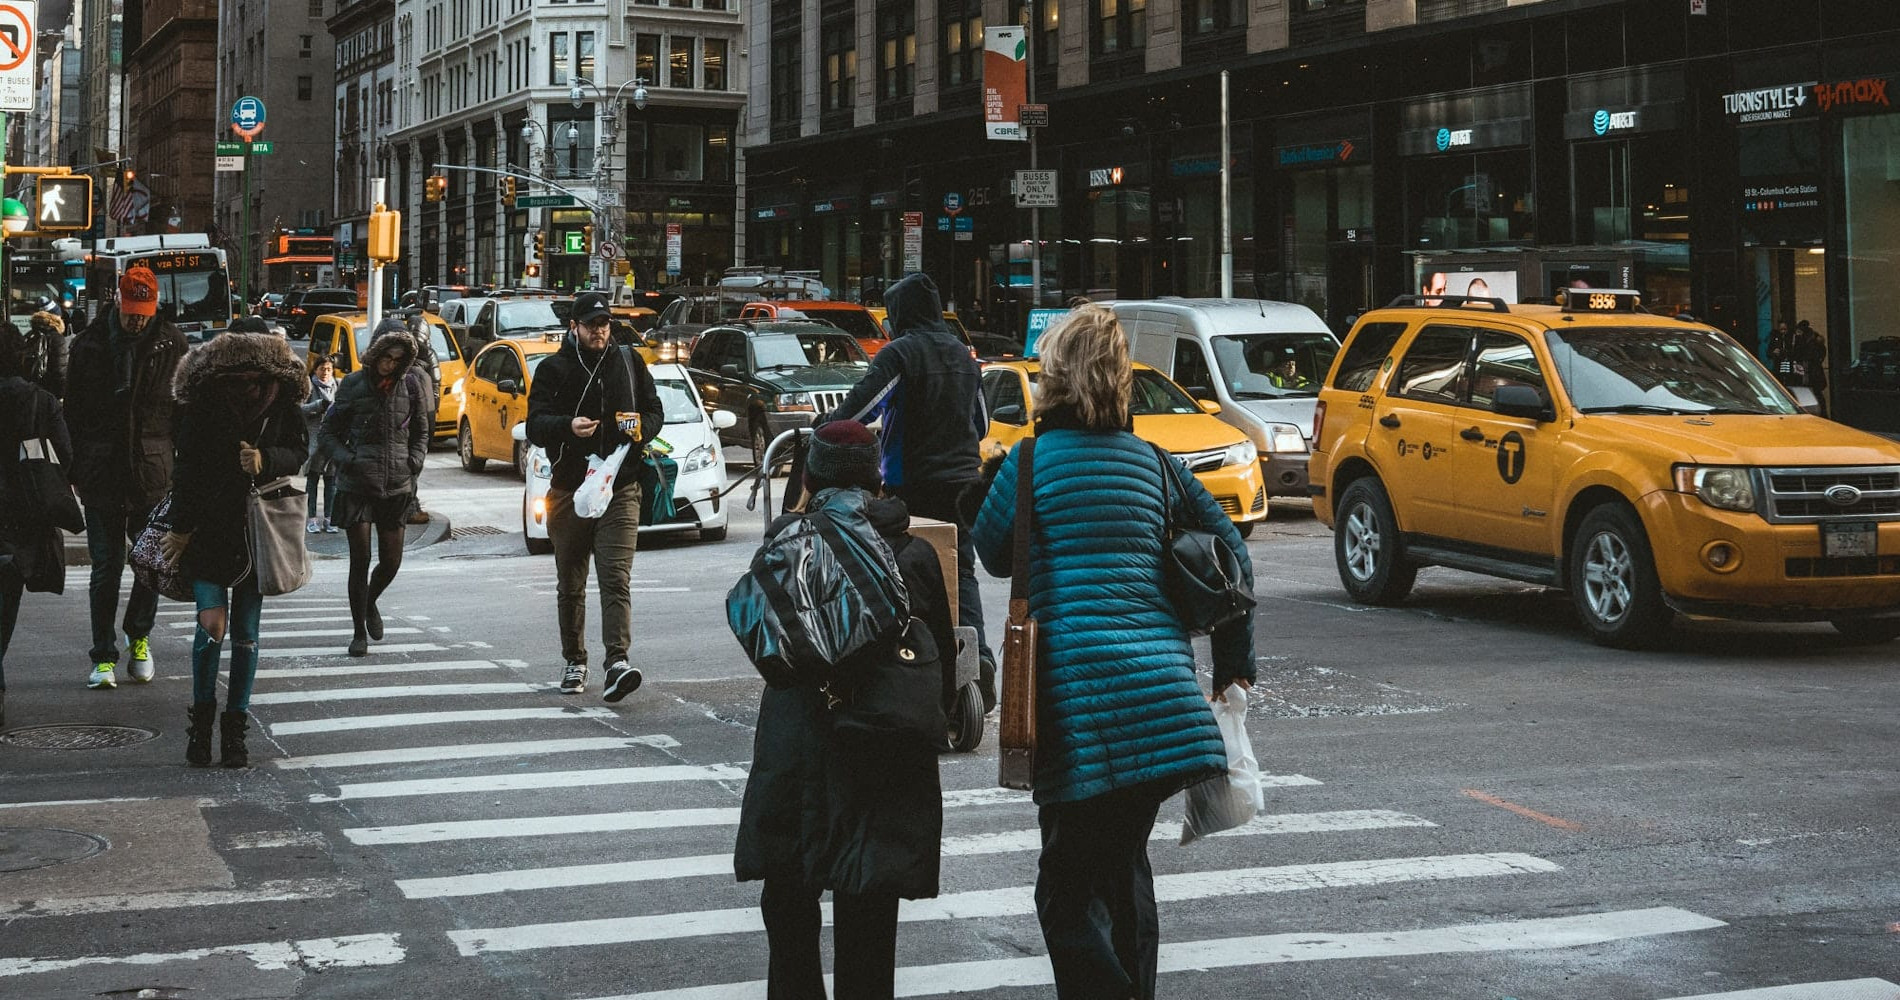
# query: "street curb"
{"type": "Point", "coordinates": [415, 536]}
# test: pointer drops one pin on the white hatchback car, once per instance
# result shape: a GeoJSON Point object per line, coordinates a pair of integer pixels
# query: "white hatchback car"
{"type": "Point", "coordinates": [693, 436]}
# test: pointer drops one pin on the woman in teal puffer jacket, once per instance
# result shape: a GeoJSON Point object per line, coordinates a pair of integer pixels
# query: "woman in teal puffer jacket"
{"type": "Point", "coordinates": [1121, 721]}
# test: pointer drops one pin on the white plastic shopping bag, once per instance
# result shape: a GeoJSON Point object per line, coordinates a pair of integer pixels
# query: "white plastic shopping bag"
{"type": "Point", "coordinates": [596, 491]}
{"type": "Point", "coordinates": [1225, 803]}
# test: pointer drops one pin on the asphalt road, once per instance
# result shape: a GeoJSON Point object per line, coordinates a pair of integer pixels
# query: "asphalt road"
{"type": "Point", "coordinates": [1468, 800]}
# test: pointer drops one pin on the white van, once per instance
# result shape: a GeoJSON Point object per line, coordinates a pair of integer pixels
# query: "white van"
{"type": "Point", "coordinates": [1262, 361]}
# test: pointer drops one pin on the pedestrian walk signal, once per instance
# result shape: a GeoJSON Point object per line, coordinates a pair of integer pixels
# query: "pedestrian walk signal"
{"type": "Point", "coordinates": [435, 187]}
{"type": "Point", "coordinates": [62, 202]}
{"type": "Point", "coordinates": [508, 191]}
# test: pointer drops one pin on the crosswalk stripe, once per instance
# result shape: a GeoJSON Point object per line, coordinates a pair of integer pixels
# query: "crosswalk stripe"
{"type": "Point", "coordinates": [539, 826]}
{"type": "Point", "coordinates": [403, 691]}
{"type": "Point", "coordinates": [404, 720]}
{"type": "Point", "coordinates": [269, 612]}
{"type": "Point", "coordinates": [1542, 933]}
{"type": "Point", "coordinates": [472, 751]}
{"type": "Point", "coordinates": [485, 783]}
{"type": "Point", "coordinates": [368, 669]}
{"type": "Point", "coordinates": [584, 778]}
{"type": "Point", "coordinates": [966, 846]}
{"type": "Point", "coordinates": [995, 796]}
{"type": "Point", "coordinates": [1008, 902]}
{"type": "Point", "coordinates": [325, 633]}
{"type": "Point", "coordinates": [1841, 989]}
{"type": "Point", "coordinates": [313, 620]}
{"type": "Point", "coordinates": [268, 892]}
{"type": "Point", "coordinates": [267, 652]}
{"type": "Point", "coordinates": [355, 951]}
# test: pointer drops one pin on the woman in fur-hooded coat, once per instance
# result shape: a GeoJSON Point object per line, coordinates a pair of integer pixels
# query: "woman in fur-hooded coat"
{"type": "Point", "coordinates": [241, 427]}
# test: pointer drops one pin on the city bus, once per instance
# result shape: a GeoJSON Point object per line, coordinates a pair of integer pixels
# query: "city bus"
{"type": "Point", "coordinates": [194, 279]}
{"type": "Point", "coordinates": [300, 259]}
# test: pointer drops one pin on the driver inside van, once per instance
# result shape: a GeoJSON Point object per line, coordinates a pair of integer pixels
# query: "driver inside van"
{"type": "Point", "coordinates": [1286, 375]}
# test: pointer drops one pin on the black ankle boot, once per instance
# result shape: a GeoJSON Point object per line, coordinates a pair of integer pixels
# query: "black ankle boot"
{"type": "Point", "coordinates": [231, 739]}
{"type": "Point", "coordinates": [198, 734]}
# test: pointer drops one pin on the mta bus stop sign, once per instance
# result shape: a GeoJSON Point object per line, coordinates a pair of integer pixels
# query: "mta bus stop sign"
{"type": "Point", "coordinates": [247, 117]}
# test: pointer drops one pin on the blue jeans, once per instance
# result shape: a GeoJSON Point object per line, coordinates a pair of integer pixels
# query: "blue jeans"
{"type": "Point", "coordinates": [329, 490]}
{"type": "Point", "coordinates": [246, 608]}
{"type": "Point", "coordinates": [108, 529]}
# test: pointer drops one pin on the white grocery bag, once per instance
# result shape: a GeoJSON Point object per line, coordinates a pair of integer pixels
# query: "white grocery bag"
{"type": "Point", "coordinates": [596, 491]}
{"type": "Point", "coordinates": [1227, 802]}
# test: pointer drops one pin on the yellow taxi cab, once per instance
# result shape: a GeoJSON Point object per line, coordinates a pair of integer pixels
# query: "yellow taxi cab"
{"type": "Point", "coordinates": [632, 325]}
{"type": "Point", "coordinates": [1220, 456]}
{"type": "Point", "coordinates": [493, 398]}
{"type": "Point", "coordinates": [345, 336]}
{"type": "Point", "coordinates": [1647, 465]}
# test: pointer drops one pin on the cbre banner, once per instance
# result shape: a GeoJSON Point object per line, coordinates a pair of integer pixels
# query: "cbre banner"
{"type": "Point", "coordinates": [1005, 81]}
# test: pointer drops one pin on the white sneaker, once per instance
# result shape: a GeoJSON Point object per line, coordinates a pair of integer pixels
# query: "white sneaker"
{"type": "Point", "coordinates": [141, 666]}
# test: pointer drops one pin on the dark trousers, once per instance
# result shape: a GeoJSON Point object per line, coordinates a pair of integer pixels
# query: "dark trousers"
{"type": "Point", "coordinates": [11, 588]}
{"type": "Point", "coordinates": [108, 532]}
{"type": "Point", "coordinates": [609, 542]}
{"type": "Point", "coordinates": [1095, 894]}
{"type": "Point", "coordinates": [939, 502]}
{"type": "Point", "coordinates": [863, 940]}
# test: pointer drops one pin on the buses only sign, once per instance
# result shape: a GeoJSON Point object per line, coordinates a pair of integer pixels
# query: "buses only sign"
{"type": "Point", "coordinates": [17, 65]}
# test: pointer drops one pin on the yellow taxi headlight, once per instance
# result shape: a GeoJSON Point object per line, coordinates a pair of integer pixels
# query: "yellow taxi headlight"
{"type": "Point", "coordinates": [1720, 486]}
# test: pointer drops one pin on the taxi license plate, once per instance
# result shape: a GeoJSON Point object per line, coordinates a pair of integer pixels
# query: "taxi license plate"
{"type": "Point", "coordinates": [1849, 541]}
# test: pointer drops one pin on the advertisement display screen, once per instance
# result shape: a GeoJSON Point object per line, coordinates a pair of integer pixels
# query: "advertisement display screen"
{"type": "Point", "coordinates": [1435, 280]}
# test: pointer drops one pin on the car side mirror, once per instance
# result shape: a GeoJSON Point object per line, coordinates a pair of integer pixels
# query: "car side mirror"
{"type": "Point", "coordinates": [509, 387]}
{"type": "Point", "coordinates": [1200, 392]}
{"type": "Point", "coordinates": [1522, 401]}
{"type": "Point", "coordinates": [730, 371]}
{"type": "Point", "coordinates": [1012, 415]}
{"type": "Point", "coordinates": [520, 431]}
{"type": "Point", "coordinates": [1804, 398]}
{"type": "Point", "coordinates": [724, 420]}
{"type": "Point", "coordinates": [1210, 407]}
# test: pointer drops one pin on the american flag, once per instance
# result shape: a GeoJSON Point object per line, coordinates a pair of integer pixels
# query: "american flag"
{"type": "Point", "coordinates": [132, 204]}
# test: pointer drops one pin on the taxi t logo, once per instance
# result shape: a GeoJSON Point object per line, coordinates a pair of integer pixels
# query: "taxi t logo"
{"type": "Point", "coordinates": [1511, 457]}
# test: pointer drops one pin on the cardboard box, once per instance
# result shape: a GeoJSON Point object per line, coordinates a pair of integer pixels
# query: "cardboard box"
{"type": "Point", "coordinates": [942, 536]}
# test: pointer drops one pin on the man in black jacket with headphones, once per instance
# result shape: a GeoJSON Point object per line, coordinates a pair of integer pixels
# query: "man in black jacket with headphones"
{"type": "Point", "coordinates": [587, 400]}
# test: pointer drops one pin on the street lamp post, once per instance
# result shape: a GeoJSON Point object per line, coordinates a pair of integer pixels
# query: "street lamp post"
{"type": "Point", "coordinates": [529, 126]}
{"type": "Point", "coordinates": [608, 224]}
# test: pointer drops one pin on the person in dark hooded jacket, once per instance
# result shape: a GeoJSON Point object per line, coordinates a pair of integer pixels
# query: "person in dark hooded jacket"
{"type": "Point", "coordinates": [30, 548]}
{"type": "Point", "coordinates": [46, 352]}
{"type": "Point", "coordinates": [827, 809]}
{"type": "Point", "coordinates": [376, 436]}
{"type": "Point", "coordinates": [927, 388]}
{"type": "Point", "coordinates": [241, 425]}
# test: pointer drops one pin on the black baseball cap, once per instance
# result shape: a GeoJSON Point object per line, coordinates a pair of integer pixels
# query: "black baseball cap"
{"type": "Point", "coordinates": [590, 306]}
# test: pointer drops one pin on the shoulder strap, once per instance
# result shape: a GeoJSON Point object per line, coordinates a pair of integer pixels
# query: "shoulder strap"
{"type": "Point", "coordinates": [1025, 523]}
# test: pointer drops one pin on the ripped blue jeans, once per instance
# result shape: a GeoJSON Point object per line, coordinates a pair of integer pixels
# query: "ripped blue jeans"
{"type": "Point", "coordinates": [245, 607]}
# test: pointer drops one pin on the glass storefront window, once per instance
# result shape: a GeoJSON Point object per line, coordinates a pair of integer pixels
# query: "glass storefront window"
{"type": "Point", "coordinates": [1868, 392]}
{"type": "Point", "coordinates": [1634, 189]}
{"type": "Point", "coordinates": [679, 153]}
{"type": "Point", "coordinates": [1484, 199]}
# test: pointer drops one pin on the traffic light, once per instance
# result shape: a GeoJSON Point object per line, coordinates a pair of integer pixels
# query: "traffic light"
{"type": "Point", "coordinates": [540, 246]}
{"type": "Point", "coordinates": [531, 271]}
{"type": "Point", "coordinates": [508, 191]}
{"type": "Point", "coordinates": [587, 239]}
{"type": "Point", "coordinates": [435, 187]}
{"type": "Point", "coordinates": [385, 239]}
{"type": "Point", "coordinates": [127, 176]}
{"type": "Point", "coordinates": [63, 202]}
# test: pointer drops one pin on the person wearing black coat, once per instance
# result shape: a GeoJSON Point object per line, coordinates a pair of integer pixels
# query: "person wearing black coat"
{"type": "Point", "coordinates": [46, 352]}
{"type": "Point", "coordinates": [589, 399]}
{"type": "Point", "coordinates": [31, 550]}
{"type": "Point", "coordinates": [376, 436]}
{"type": "Point", "coordinates": [826, 809]}
{"type": "Point", "coordinates": [240, 426]}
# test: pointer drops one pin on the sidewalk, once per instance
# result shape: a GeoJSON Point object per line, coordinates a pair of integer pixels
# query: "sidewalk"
{"type": "Point", "coordinates": [337, 546]}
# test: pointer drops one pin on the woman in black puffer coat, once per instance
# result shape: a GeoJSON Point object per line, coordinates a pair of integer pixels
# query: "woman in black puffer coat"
{"type": "Point", "coordinates": [241, 426]}
{"type": "Point", "coordinates": [826, 809]}
{"type": "Point", "coordinates": [376, 436]}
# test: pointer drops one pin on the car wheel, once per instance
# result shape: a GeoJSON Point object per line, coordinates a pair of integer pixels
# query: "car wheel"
{"type": "Point", "coordinates": [1868, 630]}
{"type": "Point", "coordinates": [760, 441]}
{"type": "Point", "coordinates": [965, 732]}
{"type": "Point", "coordinates": [713, 534]}
{"type": "Point", "coordinates": [1366, 547]}
{"type": "Point", "coordinates": [465, 447]}
{"type": "Point", "coordinates": [1246, 528]}
{"type": "Point", "coordinates": [1613, 580]}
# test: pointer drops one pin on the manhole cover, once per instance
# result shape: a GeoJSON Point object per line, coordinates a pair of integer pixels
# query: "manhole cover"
{"type": "Point", "coordinates": [26, 848]}
{"type": "Point", "coordinates": [474, 531]}
{"type": "Point", "coordinates": [75, 737]}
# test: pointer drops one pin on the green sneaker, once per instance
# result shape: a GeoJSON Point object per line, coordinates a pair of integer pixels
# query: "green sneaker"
{"type": "Point", "coordinates": [141, 665]}
{"type": "Point", "coordinates": [102, 676]}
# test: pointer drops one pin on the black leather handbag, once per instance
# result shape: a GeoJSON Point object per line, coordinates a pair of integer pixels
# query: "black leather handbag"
{"type": "Point", "coordinates": [1203, 577]}
{"type": "Point", "coordinates": [896, 691]}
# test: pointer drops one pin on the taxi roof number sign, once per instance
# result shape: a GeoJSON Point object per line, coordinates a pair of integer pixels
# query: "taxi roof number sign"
{"type": "Point", "coordinates": [18, 28]}
{"type": "Point", "coordinates": [1602, 300]}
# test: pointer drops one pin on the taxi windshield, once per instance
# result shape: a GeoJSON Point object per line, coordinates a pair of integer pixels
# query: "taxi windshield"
{"type": "Point", "coordinates": [677, 400]}
{"type": "Point", "coordinates": [1665, 371]}
{"type": "Point", "coordinates": [527, 314]}
{"type": "Point", "coordinates": [1273, 365]}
